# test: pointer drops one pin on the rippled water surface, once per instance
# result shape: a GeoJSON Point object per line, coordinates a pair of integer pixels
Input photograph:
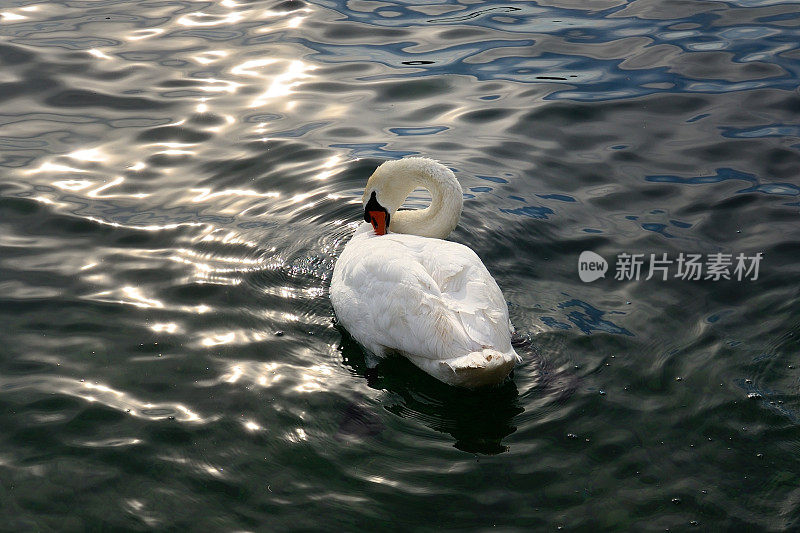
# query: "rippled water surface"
{"type": "Point", "coordinates": [178, 178]}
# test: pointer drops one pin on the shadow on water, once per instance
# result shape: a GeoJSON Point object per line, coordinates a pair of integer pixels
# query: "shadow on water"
{"type": "Point", "coordinates": [478, 420]}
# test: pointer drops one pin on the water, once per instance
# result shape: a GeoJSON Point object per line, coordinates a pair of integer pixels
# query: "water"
{"type": "Point", "coordinates": [178, 178]}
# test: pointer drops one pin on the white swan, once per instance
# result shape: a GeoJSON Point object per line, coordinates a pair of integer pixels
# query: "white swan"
{"type": "Point", "coordinates": [409, 291]}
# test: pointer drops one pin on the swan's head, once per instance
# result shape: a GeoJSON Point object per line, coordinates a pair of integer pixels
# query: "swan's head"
{"type": "Point", "coordinates": [386, 191]}
{"type": "Point", "coordinates": [376, 214]}
{"type": "Point", "coordinates": [393, 181]}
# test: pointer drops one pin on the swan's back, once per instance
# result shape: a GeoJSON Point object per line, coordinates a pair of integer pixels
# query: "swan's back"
{"type": "Point", "coordinates": [429, 299]}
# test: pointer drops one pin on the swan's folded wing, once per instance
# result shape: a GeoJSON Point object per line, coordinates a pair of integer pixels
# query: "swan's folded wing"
{"type": "Point", "coordinates": [392, 301]}
{"type": "Point", "coordinates": [472, 293]}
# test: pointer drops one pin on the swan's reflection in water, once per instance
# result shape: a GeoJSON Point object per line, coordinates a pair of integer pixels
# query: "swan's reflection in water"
{"type": "Point", "coordinates": [478, 420]}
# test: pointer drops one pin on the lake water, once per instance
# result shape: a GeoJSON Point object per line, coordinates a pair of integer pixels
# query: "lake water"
{"type": "Point", "coordinates": [178, 178]}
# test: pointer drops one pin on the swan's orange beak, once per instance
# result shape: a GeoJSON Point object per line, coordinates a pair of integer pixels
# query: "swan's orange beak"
{"type": "Point", "coordinates": [378, 220]}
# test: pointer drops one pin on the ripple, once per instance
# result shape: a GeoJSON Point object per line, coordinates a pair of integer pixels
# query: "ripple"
{"type": "Point", "coordinates": [104, 395]}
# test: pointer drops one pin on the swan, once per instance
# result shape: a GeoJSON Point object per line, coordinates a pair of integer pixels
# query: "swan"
{"type": "Point", "coordinates": [398, 287]}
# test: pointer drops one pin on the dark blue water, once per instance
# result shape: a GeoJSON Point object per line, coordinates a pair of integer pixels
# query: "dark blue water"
{"type": "Point", "coordinates": [178, 177]}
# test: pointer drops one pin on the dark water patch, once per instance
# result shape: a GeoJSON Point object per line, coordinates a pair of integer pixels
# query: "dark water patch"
{"type": "Point", "coordinates": [345, 32]}
{"type": "Point", "coordinates": [81, 98]}
{"type": "Point", "coordinates": [351, 133]}
{"type": "Point", "coordinates": [358, 423]}
{"type": "Point", "coordinates": [10, 91]}
{"type": "Point", "coordinates": [486, 115]}
{"type": "Point", "coordinates": [410, 90]}
{"type": "Point", "coordinates": [15, 55]}
{"type": "Point", "coordinates": [289, 5]}
{"type": "Point", "coordinates": [174, 134]}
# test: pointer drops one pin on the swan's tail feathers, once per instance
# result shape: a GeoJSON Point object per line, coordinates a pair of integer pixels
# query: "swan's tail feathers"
{"type": "Point", "coordinates": [480, 368]}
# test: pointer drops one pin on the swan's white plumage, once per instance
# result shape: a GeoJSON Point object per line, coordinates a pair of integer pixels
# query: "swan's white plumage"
{"type": "Point", "coordinates": [429, 299]}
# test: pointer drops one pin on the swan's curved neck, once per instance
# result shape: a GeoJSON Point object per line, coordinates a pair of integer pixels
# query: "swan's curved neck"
{"type": "Point", "coordinates": [440, 218]}
{"type": "Point", "coordinates": [395, 180]}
